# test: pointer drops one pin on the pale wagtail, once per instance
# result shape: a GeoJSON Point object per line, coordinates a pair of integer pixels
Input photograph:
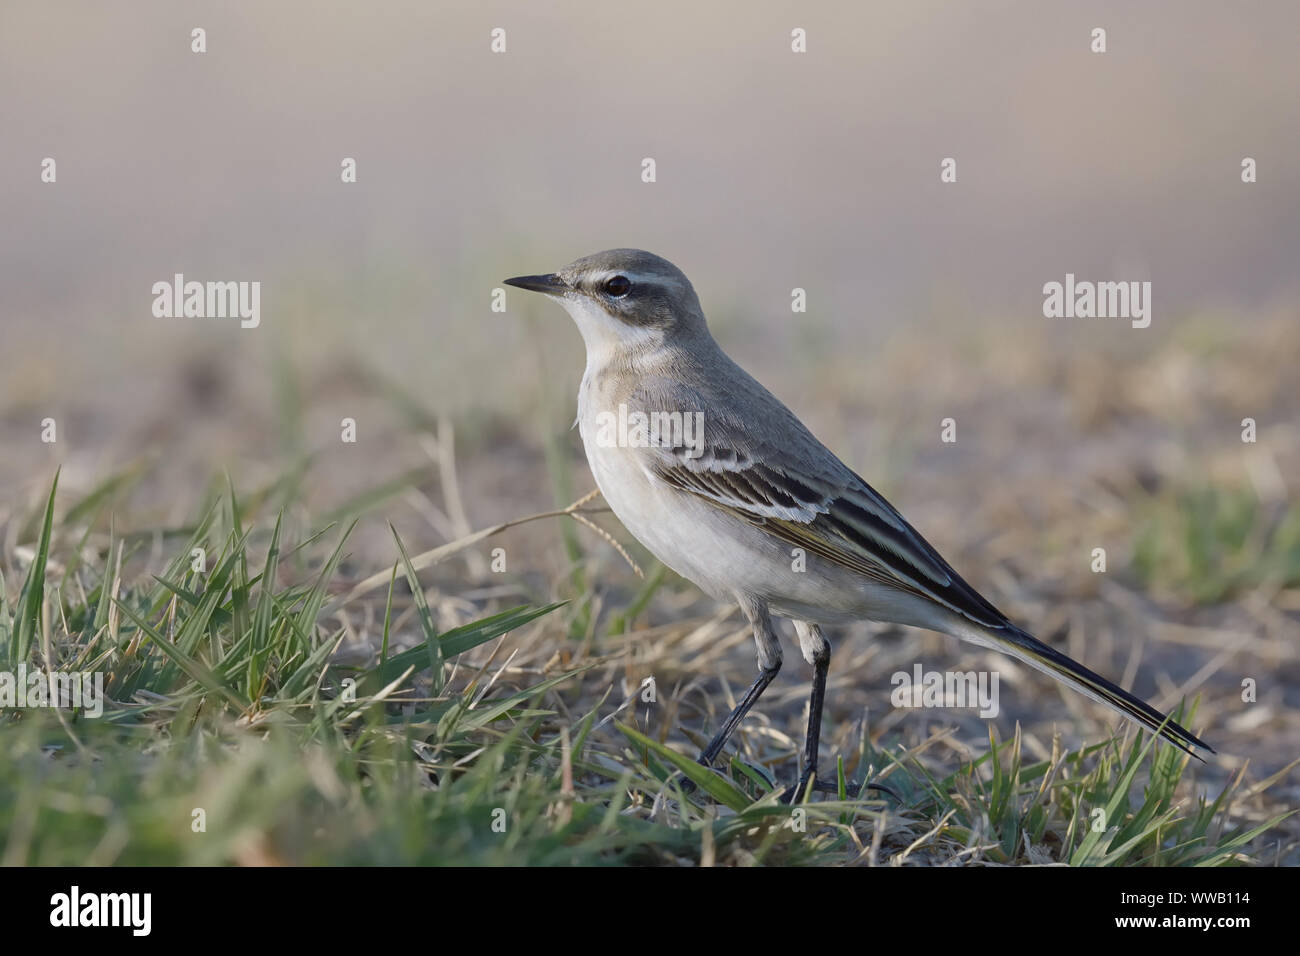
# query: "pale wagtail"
{"type": "Point", "coordinates": [727, 507]}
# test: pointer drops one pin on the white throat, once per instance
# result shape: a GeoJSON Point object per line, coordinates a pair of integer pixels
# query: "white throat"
{"type": "Point", "coordinates": [608, 339]}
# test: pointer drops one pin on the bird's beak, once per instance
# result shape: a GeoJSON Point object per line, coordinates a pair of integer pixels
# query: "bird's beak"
{"type": "Point", "coordinates": [549, 284]}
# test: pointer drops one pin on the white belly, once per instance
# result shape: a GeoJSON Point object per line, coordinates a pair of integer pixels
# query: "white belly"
{"type": "Point", "coordinates": [669, 524]}
{"type": "Point", "coordinates": [727, 557]}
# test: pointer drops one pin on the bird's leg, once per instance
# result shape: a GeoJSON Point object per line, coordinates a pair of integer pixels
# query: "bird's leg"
{"type": "Point", "coordinates": [817, 652]}
{"type": "Point", "coordinates": [769, 665]}
{"type": "Point", "coordinates": [765, 677]}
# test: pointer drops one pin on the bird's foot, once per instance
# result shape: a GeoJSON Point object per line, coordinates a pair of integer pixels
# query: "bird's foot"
{"type": "Point", "coordinates": [831, 787]}
{"type": "Point", "coordinates": [797, 793]}
{"type": "Point", "coordinates": [687, 785]}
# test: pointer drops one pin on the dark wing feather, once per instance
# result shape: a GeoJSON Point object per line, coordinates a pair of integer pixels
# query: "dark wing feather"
{"type": "Point", "coordinates": [846, 521]}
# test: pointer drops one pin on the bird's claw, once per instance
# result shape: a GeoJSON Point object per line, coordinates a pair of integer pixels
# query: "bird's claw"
{"type": "Point", "coordinates": [795, 794]}
{"type": "Point", "coordinates": [832, 788]}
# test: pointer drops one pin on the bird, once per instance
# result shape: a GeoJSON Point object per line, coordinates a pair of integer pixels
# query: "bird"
{"type": "Point", "coordinates": [743, 500]}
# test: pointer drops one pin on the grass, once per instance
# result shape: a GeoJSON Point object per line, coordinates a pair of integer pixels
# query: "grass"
{"type": "Point", "coordinates": [1207, 544]}
{"type": "Point", "coordinates": [237, 733]}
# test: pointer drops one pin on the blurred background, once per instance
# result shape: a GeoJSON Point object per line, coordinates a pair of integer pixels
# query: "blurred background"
{"type": "Point", "coordinates": [775, 170]}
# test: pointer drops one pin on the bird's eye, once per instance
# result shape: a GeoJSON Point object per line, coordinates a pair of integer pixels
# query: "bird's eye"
{"type": "Point", "coordinates": [618, 286]}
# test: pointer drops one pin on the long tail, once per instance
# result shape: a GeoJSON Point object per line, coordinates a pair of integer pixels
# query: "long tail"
{"type": "Point", "coordinates": [1035, 653]}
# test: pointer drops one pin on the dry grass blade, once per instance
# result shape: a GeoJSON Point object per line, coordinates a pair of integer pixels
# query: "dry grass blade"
{"type": "Point", "coordinates": [433, 556]}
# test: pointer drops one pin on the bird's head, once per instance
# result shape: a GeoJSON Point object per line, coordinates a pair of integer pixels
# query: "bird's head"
{"type": "Point", "coordinates": [623, 299]}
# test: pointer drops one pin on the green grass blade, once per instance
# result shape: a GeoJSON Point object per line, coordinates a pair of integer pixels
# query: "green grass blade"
{"type": "Point", "coordinates": [32, 597]}
{"type": "Point", "coordinates": [431, 644]}
{"type": "Point", "coordinates": [718, 787]}
{"type": "Point", "coordinates": [193, 668]}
